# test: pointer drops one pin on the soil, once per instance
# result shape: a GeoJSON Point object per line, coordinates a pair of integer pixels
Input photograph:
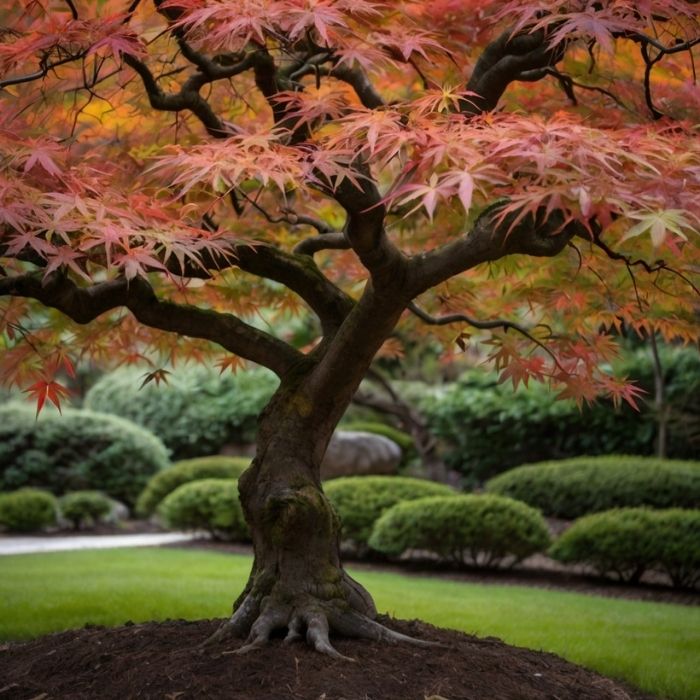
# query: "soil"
{"type": "Point", "coordinates": [161, 660]}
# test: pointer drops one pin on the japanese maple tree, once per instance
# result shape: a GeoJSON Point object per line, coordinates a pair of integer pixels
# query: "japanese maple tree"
{"type": "Point", "coordinates": [177, 173]}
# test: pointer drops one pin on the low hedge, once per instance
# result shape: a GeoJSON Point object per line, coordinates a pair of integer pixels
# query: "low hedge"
{"type": "Point", "coordinates": [360, 500]}
{"type": "Point", "coordinates": [76, 451]}
{"type": "Point", "coordinates": [166, 481]}
{"type": "Point", "coordinates": [84, 507]}
{"type": "Point", "coordinates": [27, 510]}
{"type": "Point", "coordinates": [625, 543]}
{"type": "Point", "coordinates": [476, 529]}
{"type": "Point", "coordinates": [207, 504]}
{"type": "Point", "coordinates": [575, 487]}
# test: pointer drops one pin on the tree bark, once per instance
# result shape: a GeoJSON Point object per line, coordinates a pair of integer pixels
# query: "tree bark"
{"type": "Point", "coordinates": [297, 582]}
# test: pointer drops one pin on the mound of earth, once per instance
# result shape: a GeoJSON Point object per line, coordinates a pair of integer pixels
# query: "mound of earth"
{"type": "Point", "coordinates": [160, 660]}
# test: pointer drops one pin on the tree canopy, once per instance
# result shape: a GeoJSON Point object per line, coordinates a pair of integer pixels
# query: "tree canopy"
{"type": "Point", "coordinates": [202, 164]}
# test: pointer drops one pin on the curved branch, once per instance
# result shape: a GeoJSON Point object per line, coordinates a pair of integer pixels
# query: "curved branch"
{"type": "Point", "coordinates": [327, 241]}
{"type": "Point", "coordinates": [484, 325]}
{"type": "Point", "coordinates": [86, 304]}
{"type": "Point", "coordinates": [493, 237]}
{"type": "Point", "coordinates": [503, 60]}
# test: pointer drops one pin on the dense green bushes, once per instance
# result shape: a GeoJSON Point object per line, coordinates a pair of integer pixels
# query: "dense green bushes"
{"type": "Point", "coordinates": [75, 451]}
{"type": "Point", "coordinates": [480, 530]}
{"type": "Point", "coordinates": [360, 500]}
{"type": "Point", "coordinates": [208, 504]}
{"type": "Point", "coordinates": [27, 510]}
{"type": "Point", "coordinates": [166, 481]}
{"type": "Point", "coordinates": [84, 507]}
{"type": "Point", "coordinates": [625, 543]}
{"type": "Point", "coordinates": [486, 427]}
{"type": "Point", "coordinates": [197, 412]}
{"type": "Point", "coordinates": [575, 487]}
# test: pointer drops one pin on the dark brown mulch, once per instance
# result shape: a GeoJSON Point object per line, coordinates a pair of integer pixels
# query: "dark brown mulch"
{"type": "Point", "coordinates": [160, 660]}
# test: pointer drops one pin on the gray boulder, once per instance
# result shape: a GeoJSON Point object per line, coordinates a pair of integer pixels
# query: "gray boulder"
{"type": "Point", "coordinates": [352, 453]}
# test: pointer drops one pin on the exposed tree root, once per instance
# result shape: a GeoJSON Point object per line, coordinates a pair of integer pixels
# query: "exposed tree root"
{"type": "Point", "coordinates": [306, 617]}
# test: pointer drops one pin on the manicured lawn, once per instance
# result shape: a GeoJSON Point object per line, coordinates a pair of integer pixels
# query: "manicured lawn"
{"type": "Point", "coordinates": [653, 646]}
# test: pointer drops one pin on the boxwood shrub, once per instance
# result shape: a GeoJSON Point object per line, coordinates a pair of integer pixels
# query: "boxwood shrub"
{"type": "Point", "coordinates": [574, 487]}
{"type": "Point", "coordinates": [471, 416]}
{"type": "Point", "coordinates": [360, 500]}
{"type": "Point", "coordinates": [84, 507]}
{"type": "Point", "coordinates": [208, 504]}
{"type": "Point", "coordinates": [76, 451]}
{"type": "Point", "coordinates": [624, 543]}
{"type": "Point", "coordinates": [166, 481]}
{"type": "Point", "coordinates": [197, 412]}
{"type": "Point", "coordinates": [480, 530]}
{"type": "Point", "coordinates": [27, 510]}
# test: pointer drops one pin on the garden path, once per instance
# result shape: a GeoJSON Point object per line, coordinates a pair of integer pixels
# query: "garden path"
{"type": "Point", "coordinates": [27, 545]}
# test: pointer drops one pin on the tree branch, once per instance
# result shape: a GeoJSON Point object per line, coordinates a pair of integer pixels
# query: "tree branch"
{"type": "Point", "coordinates": [544, 235]}
{"type": "Point", "coordinates": [502, 62]}
{"type": "Point", "coordinates": [85, 304]}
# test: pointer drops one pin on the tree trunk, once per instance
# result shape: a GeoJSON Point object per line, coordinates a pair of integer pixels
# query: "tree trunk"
{"type": "Point", "coordinates": [297, 582]}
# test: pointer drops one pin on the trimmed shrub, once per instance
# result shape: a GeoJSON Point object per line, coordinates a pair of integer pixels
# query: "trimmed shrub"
{"type": "Point", "coordinates": [196, 413]}
{"type": "Point", "coordinates": [624, 543]}
{"type": "Point", "coordinates": [486, 427]}
{"type": "Point", "coordinates": [207, 504]}
{"type": "Point", "coordinates": [27, 510]}
{"type": "Point", "coordinates": [574, 487]}
{"type": "Point", "coordinates": [360, 500]}
{"type": "Point", "coordinates": [84, 507]}
{"type": "Point", "coordinates": [166, 481]}
{"type": "Point", "coordinates": [475, 529]}
{"type": "Point", "coordinates": [75, 451]}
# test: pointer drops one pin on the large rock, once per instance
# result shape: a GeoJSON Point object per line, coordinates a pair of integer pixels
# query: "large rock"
{"type": "Point", "coordinates": [353, 453]}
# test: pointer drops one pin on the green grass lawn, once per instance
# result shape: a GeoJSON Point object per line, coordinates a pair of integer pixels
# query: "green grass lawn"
{"type": "Point", "coordinates": [651, 645]}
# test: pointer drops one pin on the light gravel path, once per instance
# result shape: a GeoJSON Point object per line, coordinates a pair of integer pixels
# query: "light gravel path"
{"type": "Point", "coordinates": [28, 545]}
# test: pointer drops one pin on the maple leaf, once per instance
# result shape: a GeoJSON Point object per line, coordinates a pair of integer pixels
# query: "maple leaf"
{"type": "Point", "coordinates": [157, 376]}
{"type": "Point", "coordinates": [44, 389]}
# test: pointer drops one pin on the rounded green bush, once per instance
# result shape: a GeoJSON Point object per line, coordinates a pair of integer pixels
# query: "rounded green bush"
{"type": "Point", "coordinates": [166, 481]}
{"type": "Point", "coordinates": [83, 507]}
{"type": "Point", "coordinates": [197, 412]}
{"type": "Point", "coordinates": [360, 500]}
{"type": "Point", "coordinates": [574, 487]}
{"type": "Point", "coordinates": [476, 529]}
{"type": "Point", "coordinates": [624, 543]}
{"type": "Point", "coordinates": [75, 451]}
{"type": "Point", "coordinates": [207, 504]}
{"type": "Point", "coordinates": [27, 510]}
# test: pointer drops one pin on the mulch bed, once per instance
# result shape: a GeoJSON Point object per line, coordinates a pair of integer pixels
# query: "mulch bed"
{"type": "Point", "coordinates": [160, 660]}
